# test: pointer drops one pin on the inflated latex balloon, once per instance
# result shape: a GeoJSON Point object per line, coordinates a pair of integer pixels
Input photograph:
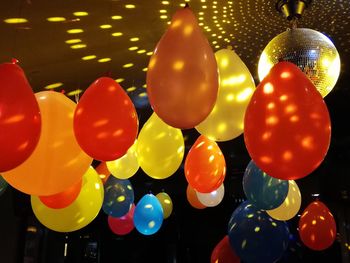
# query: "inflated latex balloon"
{"type": "Point", "coordinates": [225, 121]}
{"type": "Point", "coordinates": [290, 206]}
{"type": "Point", "coordinates": [119, 197]}
{"type": "Point", "coordinates": [103, 171]}
{"type": "Point", "coordinates": [3, 185]}
{"type": "Point", "coordinates": [287, 125]}
{"type": "Point", "coordinates": [105, 120]}
{"type": "Point", "coordinates": [20, 122]}
{"type": "Point", "coordinates": [317, 227]}
{"type": "Point", "coordinates": [79, 213]}
{"type": "Point", "coordinates": [212, 199]}
{"type": "Point", "coordinates": [148, 215]}
{"type": "Point", "coordinates": [57, 162]}
{"type": "Point", "coordinates": [160, 148]}
{"type": "Point", "coordinates": [205, 166]}
{"type": "Point", "coordinates": [122, 225]}
{"type": "Point", "coordinates": [262, 190]}
{"type": "Point", "coordinates": [126, 166]}
{"type": "Point", "coordinates": [255, 236]}
{"type": "Point", "coordinates": [192, 198]}
{"type": "Point", "coordinates": [167, 204]}
{"type": "Point", "coordinates": [62, 199]}
{"type": "Point", "coordinates": [223, 253]}
{"type": "Point", "coordinates": [182, 76]}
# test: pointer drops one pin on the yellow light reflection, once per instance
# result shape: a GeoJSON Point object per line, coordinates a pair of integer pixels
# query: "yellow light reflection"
{"type": "Point", "coordinates": [80, 13]}
{"type": "Point", "coordinates": [134, 39]}
{"type": "Point", "coordinates": [103, 60]}
{"type": "Point", "coordinates": [129, 6]}
{"type": "Point", "coordinates": [117, 17]}
{"type": "Point", "coordinates": [143, 94]}
{"type": "Point", "coordinates": [165, 2]}
{"type": "Point", "coordinates": [287, 155]}
{"type": "Point", "coordinates": [178, 65]}
{"type": "Point", "coordinates": [163, 17]}
{"type": "Point", "coordinates": [56, 19]}
{"type": "Point", "coordinates": [78, 46]}
{"type": "Point", "coordinates": [268, 88]}
{"type": "Point", "coordinates": [89, 57]}
{"type": "Point", "coordinates": [141, 51]}
{"type": "Point", "coordinates": [120, 80]}
{"type": "Point", "coordinates": [117, 34]}
{"type": "Point", "coordinates": [106, 26]}
{"type": "Point", "coordinates": [15, 20]}
{"type": "Point", "coordinates": [131, 89]}
{"type": "Point", "coordinates": [53, 85]}
{"type": "Point", "coordinates": [74, 92]}
{"type": "Point", "coordinates": [285, 75]}
{"type": "Point", "coordinates": [188, 30]}
{"type": "Point", "coordinates": [128, 65]}
{"type": "Point", "coordinates": [73, 41]}
{"type": "Point", "coordinates": [121, 198]}
{"type": "Point", "coordinates": [149, 53]}
{"type": "Point", "coordinates": [162, 11]}
{"type": "Point", "coordinates": [244, 95]}
{"type": "Point", "coordinates": [133, 48]}
{"type": "Point", "coordinates": [257, 229]}
{"type": "Point", "coordinates": [75, 31]}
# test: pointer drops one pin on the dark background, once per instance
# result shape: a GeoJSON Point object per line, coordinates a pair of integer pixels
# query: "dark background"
{"type": "Point", "coordinates": [189, 235]}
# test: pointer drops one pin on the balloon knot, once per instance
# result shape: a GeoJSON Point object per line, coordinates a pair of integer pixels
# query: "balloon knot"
{"type": "Point", "coordinates": [14, 60]}
{"type": "Point", "coordinates": [187, 5]}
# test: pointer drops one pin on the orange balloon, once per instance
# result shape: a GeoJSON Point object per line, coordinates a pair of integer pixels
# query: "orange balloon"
{"type": "Point", "coordinates": [205, 166]}
{"type": "Point", "coordinates": [287, 126]}
{"type": "Point", "coordinates": [57, 162]}
{"type": "Point", "coordinates": [105, 120]}
{"type": "Point", "coordinates": [62, 199]}
{"type": "Point", "coordinates": [317, 227]}
{"type": "Point", "coordinates": [182, 75]}
{"type": "Point", "coordinates": [193, 199]}
{"type": "Point", "coordinates": [103, 171]}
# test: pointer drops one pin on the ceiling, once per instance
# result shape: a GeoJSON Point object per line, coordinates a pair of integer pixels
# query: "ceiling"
{"type": "Point", "coordinates": [116, 38]}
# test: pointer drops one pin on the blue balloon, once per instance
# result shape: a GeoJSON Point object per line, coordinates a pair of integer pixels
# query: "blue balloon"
{"type": "Point", "coordinates": [262, 190]}
{"type": "Point", "coordinates": [255, 236]}
{"type": "Point", "coordinates": [3, 185]}
{"type": "Point", "coordinates": [119, 197]}
{"type": "Point", "coordinates": [148, 215]}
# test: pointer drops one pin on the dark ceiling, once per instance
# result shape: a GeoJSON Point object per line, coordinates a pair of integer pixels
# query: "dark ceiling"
{"type": "Point", "coordinates": [116, 41]}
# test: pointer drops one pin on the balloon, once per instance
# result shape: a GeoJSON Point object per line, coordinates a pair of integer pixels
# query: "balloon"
{"type": "Point", "coordinates": [225, 121]}
{"type": "Point", "coordinates": [119, 197]}
{"type": "Point", "coordinates": [287, 125]}
{"type": "Point", "coordinates": [182, 77]}
{"type": "Point", "coordinates": [57, 162]}
{"type": "Point", "coordinates": [160, 148]}
{"type": "Point", "coordinates": [192, 198]}
{"type": "Point", "coordinates": [205, 166]}
{"type": "Point", "coordinates": [105, 120]}
{"type": "Point", "coordinates": [256, 237]}
{"type": "Point", "coordinates": [212, 199]}
{"type": "Point", "coordinates": [62, 199]}
{"type": "Point", "coordinates": [167, 204]}
{"type": "Point", "coordinates": [148, 215]}
{"type": "Point", "coordinates": [262, 190]}
{"type": "Point", "coordinates": [103, 171]}
{"type": "Point", "coordinates": [290, 206]}
{"type": "Point", "coordinates": [3, 185]}
{"type": "Point", "coordinates": [122, 225]}
{"type": "Point", "coordinates": [126, 166]}
{"type": "Point", "coordinates": [223, 253]}
{"type": "Point", "coordinates": [79, 213]}
{"type": "Point", "coordinates": [317, 228]}
{"type": "Point", "coordinates": [20, 122]}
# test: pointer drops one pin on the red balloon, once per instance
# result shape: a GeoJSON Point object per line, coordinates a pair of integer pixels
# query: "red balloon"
{"type": "Point", "coordinates": [287, 126]}
{"type": "Point", "coordinates": [103, 171]}
{"type": "Point", "coordinates": [317, 228]}
{"type": "Point", "coordinates": [105, 120]}
{"type": "Point", "coordinates": [223, 253]}
{"type": "Point", "coordinates": [20, 122]}
{"type": "Point", "coordinates": [122, 225]}
{"type": "Point", "coordinates": [64, 198]}
{"type": "Point", "coordinates": [193, 199]}
{"type": "Point", "coordinates": [205, 166]}
{"type": "Point", "coordinates": [182, 75]}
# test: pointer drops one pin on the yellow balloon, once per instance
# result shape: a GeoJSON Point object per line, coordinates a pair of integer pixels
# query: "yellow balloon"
{"type": "Point", "coordinates": [160, 148]}
{"type": "Point", "coordinates": [167, 204]}
{"type": "Point", "coordinates": [225, 122]}
{"type": "Point", "coordinates": [291, 205]}
{"type": "Point", "coordinates": [126, 166]}
{"type": "Point", "coordinates": [79, 213]}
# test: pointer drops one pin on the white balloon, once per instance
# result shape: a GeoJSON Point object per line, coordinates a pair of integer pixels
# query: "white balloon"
{"type": "Point", "coordinates": [212, 199]}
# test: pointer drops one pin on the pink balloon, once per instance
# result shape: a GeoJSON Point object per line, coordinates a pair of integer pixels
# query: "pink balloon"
{"type": "Point", "coordinates": [122, 225]}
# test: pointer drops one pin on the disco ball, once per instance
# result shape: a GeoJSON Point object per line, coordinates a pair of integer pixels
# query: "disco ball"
{"type": "Point", "coordinates": [310, 50]}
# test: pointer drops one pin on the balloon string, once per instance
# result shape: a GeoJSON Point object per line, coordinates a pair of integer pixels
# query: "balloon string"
{"type": "Point", "coordinates": [293, 23]}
